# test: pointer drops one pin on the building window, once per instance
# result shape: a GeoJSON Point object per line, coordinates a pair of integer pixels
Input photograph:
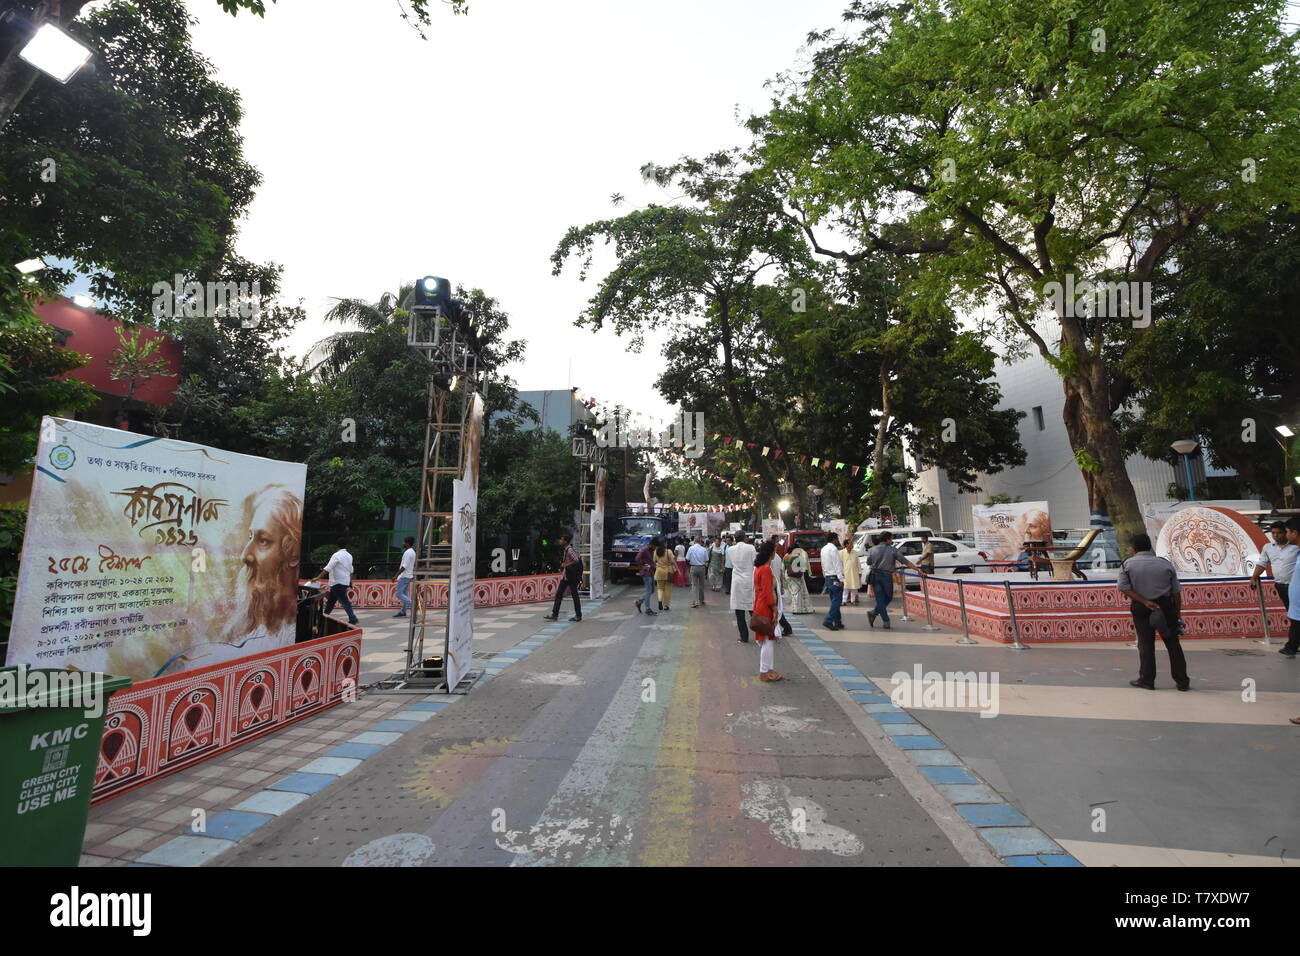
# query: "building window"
{"type": "Point", "coordinates": [1038, 417]}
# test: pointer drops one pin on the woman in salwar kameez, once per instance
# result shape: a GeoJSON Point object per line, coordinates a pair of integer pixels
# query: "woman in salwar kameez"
{"type": "Point", "coordinates": [796, 585]}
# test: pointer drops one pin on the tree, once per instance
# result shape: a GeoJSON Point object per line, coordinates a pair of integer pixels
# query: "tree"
{"type": "Point", "coordinates": [135, 173]}
{"type": "Point", "coordinates": [134, 361]}
{"type": "Point", "coordinates": [1221, 364]}
{"type": "Point", "coordinates": [32, 357]}
{"type": "Point", "coordinates": [695, 268]}
{"type": "Point", "coordinates": [1015, 144]}
{"type": "Point", "coordinates": [17, 77]}
{"type": "Point", "coordinates": [779, 350]}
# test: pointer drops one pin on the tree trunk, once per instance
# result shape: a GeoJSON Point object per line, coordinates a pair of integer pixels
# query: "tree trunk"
{"type": "Point", "coordinates": [1092, 431]}
{"type": "Point", "coordinates": [878, 456]}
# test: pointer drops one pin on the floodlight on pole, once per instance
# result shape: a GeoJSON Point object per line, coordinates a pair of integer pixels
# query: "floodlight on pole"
{"type": "Point", "coordinates": [1285, 431]}
{"type": "Point", "coordinates": [55, 53]}
{"type": "Point", "coordinates": [783, 505]}
{"type": "Point", "coordinates": [83, 301]}
{"type": "Point", "coordinates": [28, 266]}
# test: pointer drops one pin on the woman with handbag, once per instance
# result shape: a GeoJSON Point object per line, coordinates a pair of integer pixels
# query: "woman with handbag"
{"type": "Point", "coordinates": [852, 571]}
{"type": "Point", "coordinates": [762, 620]}
{"type": "Point", "coordinates": [665, 567]}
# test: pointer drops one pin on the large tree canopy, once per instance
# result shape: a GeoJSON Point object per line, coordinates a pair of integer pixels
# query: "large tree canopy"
{"type": "Point", "coordinates": [785, 352]}
{"type": "Point", "coordinates": [1021, 143]}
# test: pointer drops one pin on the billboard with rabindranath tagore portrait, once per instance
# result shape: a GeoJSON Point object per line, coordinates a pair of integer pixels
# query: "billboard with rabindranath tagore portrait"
{"type": "Point", "coordinates": [148, 556]}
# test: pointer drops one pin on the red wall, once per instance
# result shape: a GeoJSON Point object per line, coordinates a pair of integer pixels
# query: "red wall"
{"type": "Point", "coordinates": [95, 335]}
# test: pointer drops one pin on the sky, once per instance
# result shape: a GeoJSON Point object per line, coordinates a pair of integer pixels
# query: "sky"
{"type": "Point", "coordinates": [468, 155]}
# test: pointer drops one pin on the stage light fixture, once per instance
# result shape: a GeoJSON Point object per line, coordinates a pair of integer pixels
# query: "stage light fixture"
{"type": "Point", "coordinates": [433, 291]}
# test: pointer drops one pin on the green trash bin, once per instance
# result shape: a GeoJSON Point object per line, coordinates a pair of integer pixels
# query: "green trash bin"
{"type": "Point", "coordinates": [48, 751]}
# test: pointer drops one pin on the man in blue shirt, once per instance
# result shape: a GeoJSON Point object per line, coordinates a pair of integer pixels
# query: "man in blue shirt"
{"type": "Point", "coordinates": [697, 559]}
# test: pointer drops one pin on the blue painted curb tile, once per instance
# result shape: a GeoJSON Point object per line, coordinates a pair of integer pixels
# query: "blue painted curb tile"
{"type": "Point", "coordinates": [233, 824]}
{"type": "Point", "coordinates": [970, 793]}
{"type": "Point", "coordinates": [1018, 841]}
{"type": "Point", "coordinates": [428, 705]}
{"type": "Point", "coordinates": [899, 732]}
{"type": "Point", "coordinates": [304, 782]}
{"type": "Point", "coordinates": [993, 815]}
{"type": "Point", "coordinates": [1058, 859]}
{"type": "Point", "coordinates": [274, 802]}
{"type": "Point", "coordinates": [934, 758]}
{"type": "Point", "coordinates": [355, 751]}
{"type": "Point", "coordinates": [949, 775]}
{"type": "Point", "coordinates": [395, 726]}
{"type": "Point", "coordinates": [898, 717]}
{"type": "Point", "coordinates": [1022, 861]}
{"type": "Point", "coordinates": [919, 743]}
{"type": "Point", "coordinates": [877, 709]}
{"type": "Point", "coordinates": [849, 683]}
{"type": "Point", "coordinates": [186, 851]}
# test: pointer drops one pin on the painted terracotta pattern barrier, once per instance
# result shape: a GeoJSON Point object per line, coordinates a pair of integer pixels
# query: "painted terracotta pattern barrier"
{"type": "Point", "coordinates": [488, 592]}
{"type": "Point", "coordinates": [169, 723]}
{"type": "Point", "coordinates": [1095, 612]}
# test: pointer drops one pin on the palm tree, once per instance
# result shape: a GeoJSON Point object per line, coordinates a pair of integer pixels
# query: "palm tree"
{"type": "Point", "coordinates": [333, 354]}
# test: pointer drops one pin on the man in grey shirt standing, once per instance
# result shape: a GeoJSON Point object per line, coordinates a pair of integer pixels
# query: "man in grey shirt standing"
{"type": "Point", "coordinates": [882, 561]}
{"type": "Point", "coordinates": [1151, 583]}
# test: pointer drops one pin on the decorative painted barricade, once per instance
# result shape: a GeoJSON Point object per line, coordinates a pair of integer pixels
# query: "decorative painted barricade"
{"type": "Point", "coordinates": [163, 725]}
{"type": "Point", "coordinates": [1048, 611]}
{"type": "Point", "coordinates": [488, 592]}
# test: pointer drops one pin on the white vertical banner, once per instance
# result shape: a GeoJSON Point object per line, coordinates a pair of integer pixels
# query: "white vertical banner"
{"type": "Point", "coordinates": [597, 539]}
{"type": "Point", "coordinates": [464, 539]}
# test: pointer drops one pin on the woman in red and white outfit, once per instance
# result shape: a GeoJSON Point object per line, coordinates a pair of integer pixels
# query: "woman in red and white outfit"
{"type": "Point", "coordinates": [766, 604]}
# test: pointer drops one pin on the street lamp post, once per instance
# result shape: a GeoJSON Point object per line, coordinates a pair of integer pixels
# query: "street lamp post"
{"type": "Point", "coordinates": [1185, 447]}
{"type": "Point", "coordinates": [900, 479]}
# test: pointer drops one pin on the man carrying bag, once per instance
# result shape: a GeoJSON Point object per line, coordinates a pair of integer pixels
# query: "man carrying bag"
{"type": "Point", "coordinates": [571, 565]}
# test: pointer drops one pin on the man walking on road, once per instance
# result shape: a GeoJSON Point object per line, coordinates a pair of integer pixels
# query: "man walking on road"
{"type": "Point", "coordinates": [645, 560]}
{"type": "Point", "coordinates": [571, 567]}
{"type": "Point", "coordinates": [727, 545]}
{"type": "Point", "coordinates": [1279, 557]}
{"type": "Point", "coordinates": [742, 583]}
{"type": "Point", "coordinates": [882, 561]}
{"type": "Point", "coordinates": [1151, 583]}
{"type": "Point", "coordinates": [339, 570]}
{"type": "Point", "coordinates": [405, 576]}
{"type": "Point", "coordinates": [833, 574]}
{"type": "Point", "coordinates": [697, 558]}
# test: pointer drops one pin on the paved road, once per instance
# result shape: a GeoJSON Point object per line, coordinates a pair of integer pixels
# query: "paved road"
{"type": "Point", "coordinates": [628, 739]}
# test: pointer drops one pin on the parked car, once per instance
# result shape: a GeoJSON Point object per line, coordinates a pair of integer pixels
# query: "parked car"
{"type": "Point", "coordinates": [950, 556]}
{"type": "Point", "coordinates": [811, 540]}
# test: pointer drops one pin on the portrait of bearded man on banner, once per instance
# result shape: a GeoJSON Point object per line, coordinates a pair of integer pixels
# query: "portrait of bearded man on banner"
{"type": "Point", "coordinates": [266, 595]}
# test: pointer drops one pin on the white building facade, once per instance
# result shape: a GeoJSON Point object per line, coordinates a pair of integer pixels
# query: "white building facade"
{"type": "Point", "coordinates": [1050, 472]}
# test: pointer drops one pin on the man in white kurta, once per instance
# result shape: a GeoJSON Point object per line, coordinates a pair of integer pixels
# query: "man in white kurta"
{"type": "Point", "coordinates": [742, 584]}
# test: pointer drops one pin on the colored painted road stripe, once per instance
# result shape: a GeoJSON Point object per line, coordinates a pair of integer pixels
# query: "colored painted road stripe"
{"type": "Point", "coordinates": [1003, 828]}
{"type": "Point", "coordinates": [226, 829]}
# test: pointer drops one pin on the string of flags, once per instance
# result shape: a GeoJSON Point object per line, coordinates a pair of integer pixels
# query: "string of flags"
{"type": "Point", "coordinates": [817, 461]}
{"type": "Point", "coordinates": [605, 411]}
{"type": "Point", "coordinates": [701, 472]}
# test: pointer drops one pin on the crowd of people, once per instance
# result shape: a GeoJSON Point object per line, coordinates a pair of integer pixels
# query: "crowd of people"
{"type": "Point", "coordinates": [762, 581]}
{"type": "Point", "coordinates": [765, 580]}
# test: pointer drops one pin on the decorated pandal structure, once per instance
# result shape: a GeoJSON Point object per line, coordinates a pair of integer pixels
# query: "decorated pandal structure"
{"type": "Point", "coordinates": [1212, 549]}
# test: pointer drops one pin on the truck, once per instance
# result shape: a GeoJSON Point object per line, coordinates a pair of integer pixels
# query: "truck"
{"type": "Point", "coordinates": [632, 532]}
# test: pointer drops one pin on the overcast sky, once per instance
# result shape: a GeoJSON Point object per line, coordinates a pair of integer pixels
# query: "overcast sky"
{"type": "Point", "coordinates": [386, 157]}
